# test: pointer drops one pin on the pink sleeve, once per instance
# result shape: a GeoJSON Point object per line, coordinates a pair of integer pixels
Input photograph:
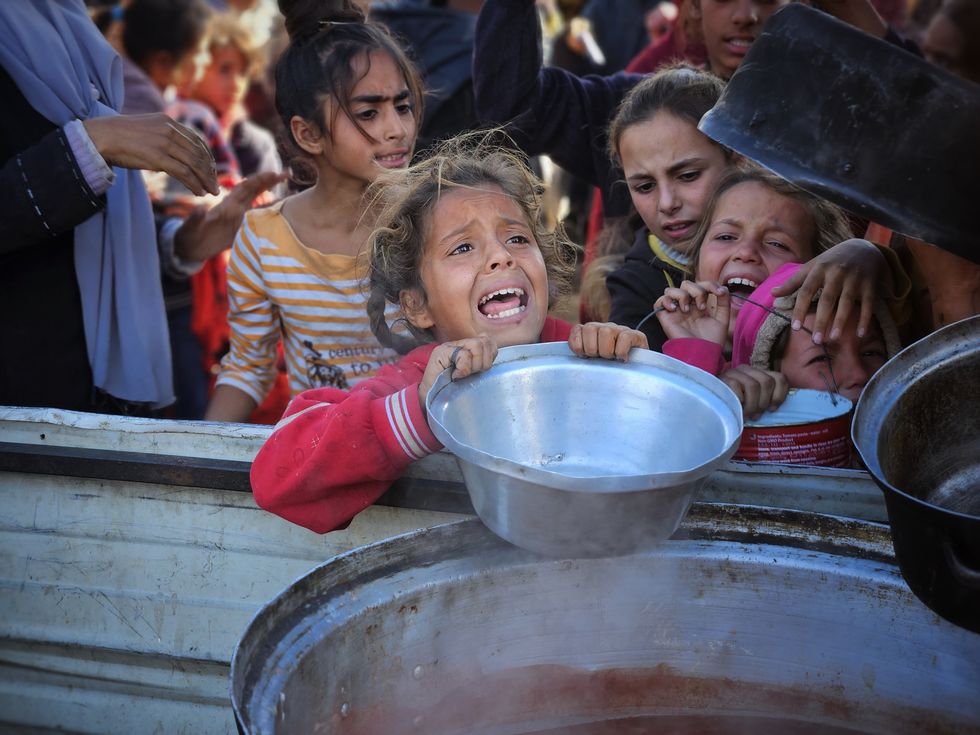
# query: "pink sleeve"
{"type": "Point", "coordinates": [335, 453]}
{"type": "Point", "coordinates": [700, 353]}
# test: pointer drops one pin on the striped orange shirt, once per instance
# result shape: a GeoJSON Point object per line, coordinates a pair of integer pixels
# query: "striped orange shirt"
{"type": "Point", "coordinates": [317, 303]}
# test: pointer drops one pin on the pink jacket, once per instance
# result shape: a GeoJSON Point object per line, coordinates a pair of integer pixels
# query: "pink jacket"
{"type": "Point", "coordinates": [709, 356]}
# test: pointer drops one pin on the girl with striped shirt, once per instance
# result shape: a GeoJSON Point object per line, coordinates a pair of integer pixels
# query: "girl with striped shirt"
{"type": "Point", "coordinates": [350, 102]}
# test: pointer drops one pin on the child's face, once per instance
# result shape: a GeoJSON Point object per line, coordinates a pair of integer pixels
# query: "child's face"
{"type": "Point", "coordinates": [482, 271]}
{"type": "Point", "coordinates": [224, 81]}
{"type": "Point", "coordinates": [753, 231]}
{"type": "Point", "coordinates": [853, 360]}
{"type": "Point", "coordinates": [671, 169]}
{"type": "Point", "coordinates": [382, 104]}
{"type": "Point", "coordinates": [729, 28]}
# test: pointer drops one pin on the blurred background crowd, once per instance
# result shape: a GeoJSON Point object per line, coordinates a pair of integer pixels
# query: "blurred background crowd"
{"type": "Point", "coordinates": [209, 65]}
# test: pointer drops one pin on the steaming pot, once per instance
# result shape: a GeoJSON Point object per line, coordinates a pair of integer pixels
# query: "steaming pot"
{"type": "Point", "coordinates": [750, 620]}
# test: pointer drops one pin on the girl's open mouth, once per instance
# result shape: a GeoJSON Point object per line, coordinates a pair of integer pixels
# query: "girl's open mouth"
{"type": "Point", "coordinates": [743, 286]}
{"type": "Point", "coordinates": [738, 46]}
{"type": "Point", "coordinates": [503, 303]}
{"type": "Point", "coordinates": [394, 160]}
{"type": "Point", "coordinates": [678, 230]}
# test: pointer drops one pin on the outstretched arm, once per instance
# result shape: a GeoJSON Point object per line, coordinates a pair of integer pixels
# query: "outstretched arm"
{"type": "Point", "coordinates": [545, 109]}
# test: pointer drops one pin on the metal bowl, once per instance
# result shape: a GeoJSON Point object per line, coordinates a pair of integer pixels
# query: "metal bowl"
{"type": "Point", "coordinates": [573, 457]}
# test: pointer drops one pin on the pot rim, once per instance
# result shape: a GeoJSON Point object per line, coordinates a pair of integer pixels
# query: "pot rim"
{"type": "Point", "coordinates": [924, 357]}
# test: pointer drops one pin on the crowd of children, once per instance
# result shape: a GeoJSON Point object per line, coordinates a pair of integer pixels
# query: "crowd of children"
{"type": "Point", "coordinates": [353, 287]}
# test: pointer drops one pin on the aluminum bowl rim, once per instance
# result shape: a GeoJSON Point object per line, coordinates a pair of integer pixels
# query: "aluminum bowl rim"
{"type": "Point", "coordinates": [601, 483]}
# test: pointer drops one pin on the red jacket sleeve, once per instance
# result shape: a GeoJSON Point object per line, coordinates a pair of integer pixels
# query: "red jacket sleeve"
{"type": "Point", "coordinates": [334, 453]}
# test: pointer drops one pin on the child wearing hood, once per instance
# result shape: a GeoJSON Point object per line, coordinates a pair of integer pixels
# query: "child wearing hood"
{"type": "Point", "coordinates": [763, 339]}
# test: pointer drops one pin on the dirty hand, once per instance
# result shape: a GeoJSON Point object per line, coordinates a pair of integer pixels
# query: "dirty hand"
{"type": "Point", "coordinates": [209, 230]}
{"type": "Point", "coordinates": [468, 356]}
{"type": "Point", "coordinates": [849, 273]}
{"type": "Point", "coordinates": [700, 310]}
{"type": "Point", "coordinates": [757, 390]}
{"type": "Point", "coordinates": [604, 339]}
{"type": "Point", "coordinates": [155, 143]}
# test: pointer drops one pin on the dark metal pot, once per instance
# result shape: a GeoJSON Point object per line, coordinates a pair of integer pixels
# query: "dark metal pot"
{"type": "Point", "coordinates": [860, 122]}
{"type": "Point", "coordinates": [749, 620]}
{"type": "Point", "coordinates": [917, 430]}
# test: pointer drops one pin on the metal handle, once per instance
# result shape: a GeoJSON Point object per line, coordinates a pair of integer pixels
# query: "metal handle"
{"type": "Point", "coordinates": [963, 573]}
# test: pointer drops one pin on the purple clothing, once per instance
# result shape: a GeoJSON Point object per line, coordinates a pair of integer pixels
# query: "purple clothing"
{"type": "Point", "coordinates": [141, 95]}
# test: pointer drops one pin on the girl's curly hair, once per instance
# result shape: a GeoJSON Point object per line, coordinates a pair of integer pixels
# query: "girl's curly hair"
{"type": "Point", "coordinates": [405, 200]}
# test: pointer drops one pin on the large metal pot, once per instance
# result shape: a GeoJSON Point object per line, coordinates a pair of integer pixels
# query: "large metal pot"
{"type": "Point", "coordinates": [756, 621]}
{"type": "Point", "coordinates": [917, 430]}
{"type": "Point", "coordinates": [572, 457]}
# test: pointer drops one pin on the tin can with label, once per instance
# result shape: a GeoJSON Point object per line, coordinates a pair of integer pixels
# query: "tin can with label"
{"type": "Point", "coordinates": [811, 427]}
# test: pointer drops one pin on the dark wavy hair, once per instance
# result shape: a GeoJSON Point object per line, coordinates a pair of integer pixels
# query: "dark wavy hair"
{"type": "Point", "coordinates": [326, 38]}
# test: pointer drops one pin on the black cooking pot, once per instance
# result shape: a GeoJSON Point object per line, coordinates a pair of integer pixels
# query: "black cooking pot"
{"type": "Point", "coordinates": [917, 430]}
{"type": "Point", "coordinates": [860, 122]}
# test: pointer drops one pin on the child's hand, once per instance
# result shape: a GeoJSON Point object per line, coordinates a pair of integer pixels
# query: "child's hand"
{"type": "Point", "coordinates": [845, 275]}
{"type": "Point", "coordinates": [469, 356]}
{"type": "Point", "coordinates": [598, 339]}
{"type": "Point", "coordinates": [757, 390]}
{"type": "Point", "coordinates": [700, 310]}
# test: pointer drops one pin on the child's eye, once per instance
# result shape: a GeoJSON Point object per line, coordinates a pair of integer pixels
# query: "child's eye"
{"type": "Point", "coordinates": [405, 108]}
{"type": "Point", "coordinates": [644, 188]}
{"type": "Point", "coordinates": [778, 245]}
{"type": "Point", "coordinates": [724, 237]}
{"type": "Point", "coordinates": [874, 352]}
{"type": "Point", "coordinates": [689, 176]}
{"type": "Point", "coordinates": [463, 247]}
{"type": "Point", "coordinates": [518, 240]}
{"type": "Point", "coordinates": [367, 114]}
{"type": "Point", "coordinates": [824, 358]}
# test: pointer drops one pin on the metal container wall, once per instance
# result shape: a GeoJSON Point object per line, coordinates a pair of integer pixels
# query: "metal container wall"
{"type": "Point", "coordinates": [132, 558]}
{"type": "Point", "coordinates": [758, 621]}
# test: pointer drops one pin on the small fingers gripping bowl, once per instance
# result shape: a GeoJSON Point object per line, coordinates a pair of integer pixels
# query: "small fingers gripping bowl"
{"type": "Point", "coordinates": [577, 457]}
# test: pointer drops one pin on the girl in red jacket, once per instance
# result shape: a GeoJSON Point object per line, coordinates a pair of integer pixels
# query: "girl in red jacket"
{"type": "Point", "coordinates": [463, 251]}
